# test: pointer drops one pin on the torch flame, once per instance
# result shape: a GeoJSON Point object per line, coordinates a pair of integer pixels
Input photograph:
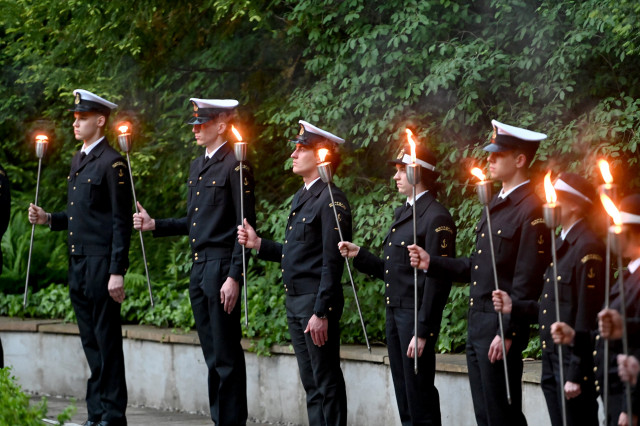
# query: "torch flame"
{"type": "Point", "coordinates": [412, 143]}
{"type": "Point", "coordinates": [123, 129]}
{"type": "Point", "coordinates": [549, 191]}
{"type": "Point", "coordinates": [611, 209]}
{"type": "Point", "coordinates": [42, 138]}
{"type": "Point", "coordinates": [237, 133]}
{"type": "Point", "coordinates": [322, 154]}
{"type": "Point", "coordinates": [605, 172]}
{"type": "Point", "coordinates": [478, 173]}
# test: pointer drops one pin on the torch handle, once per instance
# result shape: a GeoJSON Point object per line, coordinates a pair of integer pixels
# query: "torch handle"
{"type": "Point", "coordinates": [33, 229]}
{"type": "Point", "coordinates": [557, 306]}
{"type": "Point", "coordinates": [346, 261]}
{"type": "Point", "coordinates": [625, 338]}
{"type": "Point", "coordinates": [495, 281]}
{"type": "Point", "coordinates": [607, 290]}
{"type": "Point", "coordinates": [144, 252]}
{"type": "Point", "coordinates": [244, 261]}
{"type": "Point", "coordinates": [415, 285]}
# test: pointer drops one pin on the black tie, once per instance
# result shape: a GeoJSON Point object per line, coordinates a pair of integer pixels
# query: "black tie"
{"type": "Point", "coordinates": [82, 155]}
{"type": "Point", "coordinates": [206, 159]}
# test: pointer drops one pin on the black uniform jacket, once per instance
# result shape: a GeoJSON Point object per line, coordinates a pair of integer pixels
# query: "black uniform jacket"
{"type": "Point", "coordinates": [521, 242]}
{"type": "Point", "coordinates": [98, 216]}
{"type": "Point", "coordinates": [632, 303]}
{"type": "Point", "coordinates": [213, 209]}
{"type": "Point", "coordinates": [581, 272]}
{"type": "Point", "coordinates": [310, 259]}
{"type": "Point", "coordinates": [436, 232]}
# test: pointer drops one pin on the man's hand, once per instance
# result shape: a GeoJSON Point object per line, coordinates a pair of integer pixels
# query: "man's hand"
{"type": "Point", "coordinates": [247, 236]}
{"type": "Point", "coordinates": [412, 346]}
{"type": "Point", "coordinates": [623, 420]}
{"type": "Point", "coordinates": [319, 329]}
{"type": "Point", "coordinates": [562, 333]}
{"type": "Point", "coordinates": [610, 324]}
{"type": "Point", "coordinates": [502, 301]}
{"type": "Point", "coordinates": [419, 257]}
{"type": "Point", "coordinates": [116, 287]}
{"type": "Point", "coordinates": [495, 350]}
{"type": "Point", "coordinates": [229, 294]}
{"type": "Point", "coordinates": [571, 389]}
{"type": "Point", "coordinates": [142, 220]}
{"type": "Point", "coordinates": [628, 368]}
{"type": "Point", "coordinates": [37, 215]}
{"type": "Point", "coordinates": [348, 249]}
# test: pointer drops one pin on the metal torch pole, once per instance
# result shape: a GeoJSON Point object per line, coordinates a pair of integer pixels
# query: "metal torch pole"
{"type": "Point", "coordinates": [241, 156]}
{"type": "Point", "coordinates": [124, 140]}
{"type": "Point", "coordinates": [484, 193]}
{"type": "Point", "coordinates": [41, 148]}
{"type": "Point", "coordinates": [551, 218]}
{"type": "Point", "coordinates": [326, 175]}
{"type": "Point", "coordinates": [610, 191]}
{"type": "Point", "coordinates": [625, 339]}
{"type": "Point", "coordinates": [413, 176]}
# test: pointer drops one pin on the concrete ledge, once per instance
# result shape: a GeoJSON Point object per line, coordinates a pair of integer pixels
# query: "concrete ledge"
{"type": "Point", "coordinates": [165, 369]}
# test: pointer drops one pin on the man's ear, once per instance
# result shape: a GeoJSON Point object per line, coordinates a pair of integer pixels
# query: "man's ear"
{"type": "Point", "coordinates": [521, 161]}
{"type": "Point", "coordinates": [222, 127]}
{"type": "Point", "coordinates": [101, 120]}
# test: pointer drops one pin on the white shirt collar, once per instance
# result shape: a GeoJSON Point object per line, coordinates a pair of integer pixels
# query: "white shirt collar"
{"type": "Point", "coordinates": [410, 201]}
{"type": "Point", "coordinates": [633, 265]}
{"type": "Point", "coordinates": [503, 194]}
{"type": "Point", "coordinates": [311, 183]}
{"type": "Point", "coordinates": [88, 149]}
{"type": "Point", "coordinates": [563, 233]}
{"type": "Point", "coordinates": [206, 153]}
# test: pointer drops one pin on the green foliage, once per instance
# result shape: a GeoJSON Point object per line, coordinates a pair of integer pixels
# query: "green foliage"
{"type": "Point", "coordinates": [362, 69]}
{"type": "Point", "coordinates": [15, 408]}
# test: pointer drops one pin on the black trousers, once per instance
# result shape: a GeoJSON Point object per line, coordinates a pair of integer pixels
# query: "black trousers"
{"type": "Point", "coordinates": [488, 388]}
{"type": "Point", "coordinates": [220, 336]}
{"type": "Point", "coordinates": [100, 328]}
{"type": "Point", "coordinates": [581, 410]}
{"type": "Point", "coordinates": [319, 367]}
{"type": "Point", "coordinates": [417, 397]}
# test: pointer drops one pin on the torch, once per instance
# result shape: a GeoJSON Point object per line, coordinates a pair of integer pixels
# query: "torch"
{"type": "Point", "coordinates": [615, 232]}
{"type": "Point", "coordinates": [414, 176]}
{"type": "Point", "coordinates": [241, 155]}
{"type": "Point", "coordinates": [483, 189]}
{"type": "Point", "coordinates": [124, 139]}
{"type": "Point", "coordinates": [551, 213]}
{"type": "Point", "coordinates": [610, 190]}
{"type": "Point", "coordinates": [42, 141]}
{"type": "Point", "coordinates": [324, 169]}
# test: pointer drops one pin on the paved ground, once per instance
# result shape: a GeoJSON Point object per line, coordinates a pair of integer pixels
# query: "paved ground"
{"type": "Point", "coordinates": [136, 416]}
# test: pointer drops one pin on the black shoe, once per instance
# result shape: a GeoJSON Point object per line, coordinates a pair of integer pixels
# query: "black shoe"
{"type": "Point", "coordinates": [115, 422]}
{"type": "Point", "coordinates": [91, 423]}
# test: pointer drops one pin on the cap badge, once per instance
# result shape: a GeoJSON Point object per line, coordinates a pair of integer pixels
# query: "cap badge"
{"type": "Point", "coordinates": [78, 98]}
{"type": "Point", "coordinates": [195, 106]}
{"type": "Point", "coordinates": [493, 136]}
{"type": "Point", "coordinates": [301, 130]}
{"type": "Point", "coordinates": [400, 154]}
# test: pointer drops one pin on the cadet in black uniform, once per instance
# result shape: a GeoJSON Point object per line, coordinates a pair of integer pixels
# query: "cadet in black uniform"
{"type": "Point", "coordinates": [311, 271]}
{"type": "Point", "coordinates": [213, 212]}
{"type": "Point", "coordinates": [98, 221]}
{"type": "Point", "coordinates": [417, 397]}
{"type": "Point", "coordinates": [521, 243]}
{"type": "Point", "coordinates": [5, 211]}
{"type": "Point", "coordinates": [563, 333]}
{"type": "Point", "coordinates": [581, 268]}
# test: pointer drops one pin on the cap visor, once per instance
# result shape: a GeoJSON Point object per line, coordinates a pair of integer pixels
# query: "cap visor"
{"type": "Point", "coordinates": [198, 120]}
{"type": "Point", "coordinates": [494, 147]}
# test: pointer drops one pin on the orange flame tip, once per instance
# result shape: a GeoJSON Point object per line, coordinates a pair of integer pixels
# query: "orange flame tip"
{"type": "Point", "coordinates": [42, 138]}
{"type": "Point", "coordinates": [237, 133]}
{"type": "Point", "coordinates": [605, 171]}
{"type": "Point", "coordinates": [322, 154]}
{"type": "Point", "coordinates": [412, 143]}
{"type": "Point", "coordinates": [549, 191]}
{"type": "Point", "coordinates": [611, 209]}
{"type": "Point", "coordinates": [478, 173]}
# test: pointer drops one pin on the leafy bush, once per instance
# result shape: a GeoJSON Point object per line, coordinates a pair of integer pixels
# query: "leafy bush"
{"type": "Point", "coordinates": [15, 408]}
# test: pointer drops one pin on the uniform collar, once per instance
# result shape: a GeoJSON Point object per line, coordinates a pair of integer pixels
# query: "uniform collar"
{"type": "Point", "coordinates": [209, 156]}
{"type": "Point", "coordinates": [503, 194]}
{"type": "Point", "coordinates": [410, 202]}
{"type": "Point", "coordinates": [308, 187]}
{"type": "Point", "coordinates": [90, 148]}
{"type": "Point", "coordinates": [577, 227]}
{"type": "Point", "coordinates": [633, 265]}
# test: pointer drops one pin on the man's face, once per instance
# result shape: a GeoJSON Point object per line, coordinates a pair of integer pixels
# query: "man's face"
{"type": "Point", "coordinates": [401, 180]}
{"type": "Point", "coordinates": [207, 133]}
{"type": "Point", "coordinates": [304, 160]}
{"type": "Point", "coordinates": [502, 165]}
{"type": "Point", "coordinates": [86, 126]}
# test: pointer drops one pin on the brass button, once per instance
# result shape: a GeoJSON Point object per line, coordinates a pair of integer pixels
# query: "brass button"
{"type": "Point", "coordinates": [282, 270]}
{"type": "Point", "coordinates": [389, 244]}
{"type": "Point", "coordinates": [200, 178]}
{"type": "Point", "coordinates": [71, 218]}
{"type": "Point", "coordinates": [393, 230]}
{"type": "Point", "coordinates": [585, 379]}
{"type": "Point", "coordinates": [431, 334]}
{"type": "Point", "coordinates": [595, 353]}
{"type": "Point", "coordinates": [482, 235]}
{"type": "Point", "coordinates": [290, 228]}
{"type": "Point", "coordinates": [551, 264]}
{"type": "Point", "coordinates": [387, 285]}
{"type": "Point", "coordinates": [547, 279]}
{"type": "Point", "coordinates": [597, 337]}
{"type": "Point", "coordinates": [388, 302]}
{"type": "Point", "coordinates": [70, 233]}
{"type": "Point", "coordinates": [74, 188]}
{"type": "Point", "coordinates": [77, 173]}
{"type": "Point", "coordinates": [73, 246]}
{"type": "Point", "coordinates": [73, 250]}
{"type": "Point", "coordinates": [597, 388]}
{"type": "Point", "coordinates": [544, 311]}
{"type": "Point", "coordinates": [475, 267]}
{"type": "Point", "coordinates": [595, 369]}
{"type": "Point", "coordinates": [193, 241]}
{"type": "Point", "coordinates": [304, 219]}
{"type": "Point", "coordinates": [293, 214]}
{"type": "Point", "coordinates": [88, 180]}
{"type": "Point", "coordinates": [286, 241]}
{"type": "Point", "coordinates": [596, 382]}
{"type": "Point", "coordinates": [190, 182]}
{"type": "Point", "coordinates": [72, 203]}
{"type": "Point", "coordinates": [475, 282]}
{"type": "Point", "coordinates": [214, 182]}
{"type": "Point", "coordinates": [194, 224]}
{"type": "Point", "coordinates": [283, 256]}
{"type": "Point", "coordinates": [542, 327]}
{"type": "Point", "coordinates": [499, 231]}
{"type": "Point", "coordinates": [196, 255]}
{"type": "Point", "coordinates": [479, 251]}
{"type": "Point", "coordinates": [559, 278]}
{"type": "Point", "coordinates": [196, 209]}
{"type": "Point", "coordinates": [546, 295]}
{"type": "Point", "coordinates": [386, 272]}
{"type": "Point", "coordinates": [198, 193]}
{"type": "Point", "coordinates": [330, 308]}
{"type": "Point", "coordinates": [402, 243]}
{"type": "Point", "coordinates": [387, 257]}
{"type": "Point", "coordinates": [196, 258]}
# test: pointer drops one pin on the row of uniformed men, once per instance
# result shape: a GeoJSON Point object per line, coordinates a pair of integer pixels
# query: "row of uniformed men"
{"type": "Point", "coordinates": [99, 196]}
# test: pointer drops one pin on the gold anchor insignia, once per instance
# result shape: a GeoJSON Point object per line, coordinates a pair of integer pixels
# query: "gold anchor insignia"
{"type": "Point", "coordinates": [493, 136]}
{"type": "Point", "coordinates": [540, 240]}
{"type": "Point", "coordinates": [301, 130]}
{"type": "Point", "coordinates": [195, 106]}
{"type": "Point", "coordinates": [78, 98]}
{"type": "Point", "coordinates": [400, 154]}
{"type": "Point", "coordinates": [339, 217]}
{"type": "Point", "coordinates": [120, 173]}
{"type": "Point", "coordinates": [246, 182]}
{"type": "Point", "coordinates": [444, 244]}
{"type": "Point", "coordinates": [591, 274]}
